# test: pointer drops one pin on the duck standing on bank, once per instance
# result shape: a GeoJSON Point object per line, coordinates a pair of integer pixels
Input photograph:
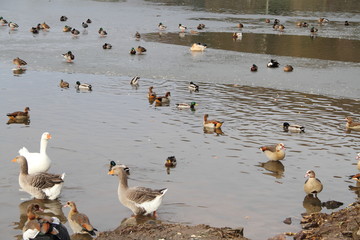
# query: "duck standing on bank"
{"type": "Point", "coordinates": [79, 222]}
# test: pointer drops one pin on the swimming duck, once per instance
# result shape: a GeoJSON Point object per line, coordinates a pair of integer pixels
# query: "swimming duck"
{"type": "Point", "coordinates": [75, 32]}
{"type": "Point", "coordinates": [288, 68]}
{"type": "Point", "coordinates": [137, 35]}
{"type": "Point", "coordinates": [79, 222]}
{"type": "Point", "coordinates": [351, 124]}
{"type": "Point", "coordinates": [132, 51]}
{"type": "Point", "coordinates": [135, 80]}
{"type": "Point", "coordinates": [182, 27]}
{"type": "Point", "coordinates": [151, 94]}
{"type": "Point", "coordinates": [211, 123]}
{"type": "Point", "coordinates": [63, 18]}
{"type": "Point", "coordinates": [38, 161]}
{"type": "Point", "coordinates": [140, 50]}
{"type": "Point", "coordinates": [163, 99]}
{"type": "Point", "coordinates": [358, 158]}
{"type": "Point", "coordinates": [281, 27]}
{"type": "Point", "coordinates": [274, 152]}
{"type": "Point", "coordinates": [323, 20]}
{"type": "Point", "coordinates": [34, 30]}
{"type": "Point", "coordinates": [276, 21]}
{"type": "Point", "coordinates": [273, 64]}
{"type": "Point", "coordinates": [313, 29]}
{"type": "Point", "coordinates": [13, 26]}
{"type": "Point", "coordinates": [88, 21]}
{"type": "Point", "coordinates": [201, 26]}
{"type": "Point", "coordinates": [19, 62]}
{"type": "Point", "coordinates": [102, 32]}
{"type": "Point", "coordinates": [193, 87]}
{"type": "Point", "coordinates": [267, 20]}
{"type": "Point", "coordinates": [45, 26]}
{"type": "Point", "coordinates": [84, 25]}
{"type": "Point", "coordinates": [19, 114]}
{"type": "Point", "coordinates": [3, 21]}
{"type": "Point", "coordinates": [186, 105]}
{"type": "Point", "coordinates": [312, 184]}
{"type": "Point", "coordinates": [170, 162]}
{"type": "Point", "coordinates": [67, 28]}
{"type": "Point", "coordinates": [162, 27]}
{"type": "Point", "coordinates": [83, 86]}
{"type": "Point", "coordinates": [69, 56]}
{"type": "Point", "coordinates": [302, 24]}
{"type": "Point", "coordinates": [198, 47]}
{"type": "Point", "coordinates": [253, 68]}
{"type": "Point", "coordinates": [355, 177]}
{"type": "Point", "coordinates": [140, 200]}
{"type": "Point", "coordinates": [293, 128]}
{"type": "Point", "coordinates": [240, 25]}
{"type": "Point", "coordinates": [107, 46]}
{"type": "Point", "coordinates": [39, 185]}
{"type": "Point", "coordinates": [237, 35]}
{"type": "Point", "coordinates": [347, 23]}
{"type": "Point", "coordinates": [64, 84]}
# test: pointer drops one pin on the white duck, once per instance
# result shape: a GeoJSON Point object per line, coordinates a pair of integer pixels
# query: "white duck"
{"type": "Point", "coordinates": [38, 161]}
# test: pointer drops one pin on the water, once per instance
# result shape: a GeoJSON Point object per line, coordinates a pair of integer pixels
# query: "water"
{"type": "Point", "coordinates": [221, 179]}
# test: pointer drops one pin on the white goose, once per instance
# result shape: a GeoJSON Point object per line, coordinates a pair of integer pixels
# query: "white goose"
{"type": "Point", "coordinates": [38, 161]}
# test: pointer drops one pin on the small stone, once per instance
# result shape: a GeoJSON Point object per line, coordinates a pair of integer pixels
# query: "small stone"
{"type": "Point", "coordinates": [287, 221]}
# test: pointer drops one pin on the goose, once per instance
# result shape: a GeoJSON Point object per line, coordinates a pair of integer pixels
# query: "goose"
{"type": "Point", "coordinates": [140, 200]}
{"type": "Point", "coordinates": [13, 26]}
{"type": "Point", "coordinates": [83, 86]}
{"type": "Point", "coordinates": [163, 99]}
{"type": "Point", "coordinates": [273, 64]}
{"type": "Point", "coordinates": [38, 161]}
{"type": "Point", "coordinates": [39, 185]}
{"type": "Point", "coordinates": [170, 162]}
{"type": "Point", "coordinates": [253, 68]}
{"type": "Point", "coordinates": [67, 28]}
{"type": "Point", "coordinates": [211, 123]}
{"type": "Point", "coordinates": [79, 222]}
{"type": "Point", "coordinates": [63, 18]}
{"type": "Point", "coordinates": [351, 124]}
{"type": "Point", "coordinates": [19, 114]}
{"type": "Point", "coordinates": [140, 50]}
{"type": "Point", "coordinates": [19, 62]}
{"type": "Point", "coordinates": [186, 105]}
{"type": "Point", "coordinates": [312, 184]}
{"type": "Point", "coordinates": [137, 35]}
{"type": "Point", "coordinates": [288, 68]}
{"type": "Point", "coordinates": [198, 47]}
{"type": "Point", "coordinates": [162, 27]}
{"type": "Point", "coordinates": [102, 32]}
{"type": "Point", "coordinates": [84, 25]}
{"type": "Point", "coordinates": [107, 46]}
{"type": "Point", "coordinates": [151, 94]}
{"type": "Point", "coordinates": [182, 27]}
{"type": "Point", "coordinates": [132, 51]}
{"type": "Point", "coordinates": [135, 80]}
{"type": "Point", "coordinates": [64, 84]}
{"type": "Point", "coordinates": [274, 152]}
{"type": "Point", "coordinates": [69, 56]}
{"type": "Point", "coordinates": [201, 26]}
{"type": "Point", "coordinates": [193, 87]}
{"type": "Point", "coordinates": [293, 128]}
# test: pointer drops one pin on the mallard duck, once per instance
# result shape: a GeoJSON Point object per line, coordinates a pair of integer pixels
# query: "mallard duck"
{"type": "Point", "coordinates": [75, 32]}
{"type": "Point", "coordinates": [293, 128]}
{"type": "Point", "coordinates": [240, 25]}
{"type": "Point", "coordinates": [19, 62]}
{"type": "Point", "coordinates": [84, 25]}
{"type": "Point", "coordinates": [302, 24]}
{"type": "Point", "coordinates": [39, 185]}
{"type": "Point", "coordinates": [45, 26]}
{"type": "Point", "coordinates": [276, 21]}
{"type": "Point", "coordinates": [163, 99]}
{"type": "Point", "coordinates": [3, 21]}
{"type": "Point", "coordinates": [237, 35]}
{"type": "Point", "coordinates": [198, 47]}
{"type": "Point", "coordinates": [162, 27]}
{"type": "Point", "coordinates": [201, 26]}
{"type": "Point", "coordinates": [13, 25]}
{"type": "Point", "coordinates": [83, 86]}
{"type": "Point", "coordinates": [186, 105]}
{"type": "Point", "coordinates": [34, 30]}
{"type": "Point", "coordinates": [63, 18]}
{"type": "Point", "coordinates": [253, 68]}
{"type": "Point", "coordinates": [140, 200]}
{"type": "Point", "coordinates": [170, 162]}
{"type": "Point", "coordinates": [38, 161]}
{"type": "Point", "coordinates": [312, 184]}
{"type": "Point", "coordinates": [313, 30]}
{"type": "Point", "coordinates": [107, 46]}
{"type": "Point", "coordinates": [211, 123]}
{"type": "Point", "coordinates": [182, 27]}
{"type": "Point", "coordinates": [274, 152]}
{"type": "Point", "coordinates": [151, 94]}
{"type": "Point", "coordinates": [140, 50]}
{"type": "Point", "coordinates": [88, 21]}
{"type": "Point", "coordinates": [137, 35]}
{"type": "Point", "coordinates": [135, 80]}
{"type": "Point", "coordinates": [69, 56]}
{"type": "Point", "coordinates": [67, 28]}
{"type": "Point", "coordinates": [64, 84]}
{"type": "Point", "coordinates": [102, 32]}
{"type": "Point", "coordinates": [132, 51]}
{"type": "Point", "coordinates": [19, 114]}
{"type": "Point", "coordinates": [79, 222]}
{"type": "Point", "coordinates": [193, 87]}
{"type": "Point", "coordinates": [273, 64]}
{"type": "Point", "coordinates": [288, 68]}
{"type": "Point", "coordinates": [351, 124]}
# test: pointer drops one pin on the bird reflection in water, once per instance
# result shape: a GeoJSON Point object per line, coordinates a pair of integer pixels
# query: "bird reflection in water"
{"type": "Point", "coordinates": [275, 168]}
{"type": "Point", "coordinates": [312, 204]}
{"type": "Point", "coordinates": [216, 131]}
{"type": "Point", "coordinates": [136, 220]}
{"type": "Point", "coordinates": [25, 121]}
{"type": "Point", "coordinates": [18, 71]}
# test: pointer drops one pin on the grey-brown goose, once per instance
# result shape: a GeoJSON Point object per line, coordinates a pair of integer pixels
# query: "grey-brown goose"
{"type": "Point", "coordinates": [312, 184]}
{"type": "Point", "coordinates": [19, 114]}
{"type": "Point", "coordinates": [140, 200]}
{"type": "Point", "coordinates": [39, 185]}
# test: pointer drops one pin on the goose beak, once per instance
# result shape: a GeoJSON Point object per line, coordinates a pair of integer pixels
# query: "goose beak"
{"type": "Point", "coordinates": [111, 172]}
{"type": "Point", "coordinates": [48, 136]}
{"type": "Point", "coordinates": [14, 160]}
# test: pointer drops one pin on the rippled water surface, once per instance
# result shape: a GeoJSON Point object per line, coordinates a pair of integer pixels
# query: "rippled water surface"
{"type": "Point", "coordinates": [222, 178]}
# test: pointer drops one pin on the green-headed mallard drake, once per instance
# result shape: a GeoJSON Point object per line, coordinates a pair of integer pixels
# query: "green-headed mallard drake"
{"type": "Point", "coordinates": [69, 56]}
{"type": "Point", "coordinates": [79, 222]}
{"type": "Point", "coordinates": [273, 64]}
{"type": "Point", "coordinates": [135, 80]}
{"type": "Point", "coordinates": [84, 25]}
{"type": "Point", "coordinates": [34, 30]}
{"type": "Point", "coordinates": [63, 19]}
{"type": "Point", "coordinates": [182, 27]}
{"type": "Point", "coordinates": [13, 26]}
{"type": "Point", "coordinates": [211, 123]}
{"type": "Point", "coordinates": [170, 162]}
{"type": "Point", "coordinates": [137, 35]}
{"type": "Point", "coordinates": [351, 124]}
{"type": "Point", "coordinates": [64, 84]}
{"type": "Point", "coordinates": [102, 32]}
{"type": "Point", "coordinates": [193, 87]}
{"type": "Point", "coordinates": [254, 68]}
{"type": "Point", "coordinates": [132, 51]}
{"type": "Point", "coordinates": [312, 184]}
{"type": "Point", "coordinates": [151, 95]}
{"type": "Point", "coordinates": [162, 27]}
{"type": "Point", "coordinates": [163, 99]}
{"type": "Point", "coordinates": [75, 32]}
{"type": "Point", "coordinates": [107, 46]}
{"type": "Point", "coordinates": [274, 152]}
{"type": "Point", "coordinates": [140, 200]}
{"type": "Point", "coordinates": [140, 50]}
{"type": "Point", "coordinates": [19, 62]}
{"type": "Point", "coordinates": [293, 128]}
{"type": "Point", "coordinates": [19, 114]}
{"type": "Point", "coordinates": [67, 28]}
{"type": "Point", "coordinates": [201, 26]}
{"type": "Point", "coordinates": [288, 68]}
{"type": "Point", "coordinates": [83, 86]}
{"type": "Point", "coordinates": [186, 105]}
{"type": "Point", "coordinates": [3, 22]}
{"type": "Point", "coordinates": [39, 185]}
{"type": "Point", "coordinates": [198, 47]}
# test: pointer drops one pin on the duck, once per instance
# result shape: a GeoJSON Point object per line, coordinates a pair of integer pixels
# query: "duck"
{"type": "Point", "coordinates": [312, 184]}
{"type": "Point", "coordinates": [170, 162]}
{"type": "Point", "coordinates": [313, 30]}
{"type": "Point", "coordinates": [102, 32]}
{"type": "Point", "coordinates": [39, 185]}
{"type": "Point", "coordinates": [13, 26]}
{"type": "Point", "coordinates": [162, 27]}
{"type": "Point", "coordinates": [3, 22]}
{"type": "Point", "coordinates": [193, 87]}
{"type": "Point", "coordinates": [240, 25]}
{"type": "Point", "coordinates": [34, 30]}
{"type": "Point", "coordinates": [182, 27]}
{"type": "Point", "coordinates": [107, 46]}
{"type": "Point", "coordinates": [75, 32]}
{"type": "Point", "coordinates": [163, 99]}
{"type": "Point", "coordinates": [347, 23]}
{"type": "Point", "coordinates": [288, 68]}
{"type": "Point", "coordinates": [323, 20]}
{"type": "Point", "coordinates": [281, 27]}
{"type": "Point", "coordinates": [67, 28]}
{"type": "Point", "coordinates": [151, 94]}
{"type": "Point", "coordinates": [69, 56]}
{"type": "Point", "coordinates": [237, 35]}
{"type": "Point", "coordinates": [355, 177]}
{"type": "Point", "coordinates": [276, 21]}
{"type": "Point", "coordinates": [186, 105]}
{"type": "Point", "coordinates": [254, 68]}
{"type": "Point", "coordinates": [45, 26]}
{"type": "Point", "coordinates": [79, 222]}
{"type": "Point", "coordinates": [293, 128]}
{"type": "Point", "coordinates": [63, 18]}
{"type": "Point", "coordinates": [64, 84]}
{"type": "Point", "coordinates": [351, 124]}
{"type": "Point", "coordinates": [274, 152]}
{"type": "Point", "coordinates": [132, 51]}
{"type": "Point", "coordinates": [358, 158]}
{"type": "Point", "coordinates": [137, 35]}
{"type": "Point", "coordinates": [273, 64]}
{"type": "Point", "coordinates": [198, 47]}
{"type": "Point", "coordinates": [19, 62]}
{"type": "Point", "coordinates": [140, 50]}
{"type": "Point", "coordinates": [140, 200]}
{"type": "Point", "coordinates": [201, 26]}
{"type": "Point", "coordinates": [19, 114]}
{"type": "Point", "coordinates": [83, 86]}
{"type": "Point", "coordinates": [88, 21]}
{"type": "Point", "coordinates": [84, 25]}
{"type": "Point", "coordinates": [135, 80]}
{"type": "Point", "coordinates": [211, 123]}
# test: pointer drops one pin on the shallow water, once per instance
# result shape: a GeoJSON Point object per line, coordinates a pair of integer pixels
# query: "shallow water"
{"type": "Point", "coordinates": [222, 179]}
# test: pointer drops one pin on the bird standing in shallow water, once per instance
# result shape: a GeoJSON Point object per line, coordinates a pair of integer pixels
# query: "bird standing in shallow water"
{"type": "Point", "coordinates": [312, 184]}
{"type": "Point", "coordinates": [19, 62]}
{"type": "Point", "coordinates": [274, 152]}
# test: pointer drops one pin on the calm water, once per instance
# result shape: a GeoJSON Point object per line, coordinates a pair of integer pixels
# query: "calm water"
{"type": "Point", "coordinates": [222, 179]}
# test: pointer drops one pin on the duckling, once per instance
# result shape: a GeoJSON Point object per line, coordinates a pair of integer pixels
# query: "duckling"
{"type": "Point", "coordinates": [19, 62]}
{"type": "Point", "coordinates": [312, 184]}
{"type": "Point", "coordinates": [140, 50]}
{"type": "Point", "coordinates": [288, 68]}
{"type": "Point", "coordinates": [201, 26]}
{"type": "Point", "coordinates": [137, 35]}
{"type": "Point", "coordinates": [186, 105]}
{"type": "Point", "coordinates": [170, 162]}
{"type": "Point", "coordinates": [254, 68]}
{"type": "Point", "coordinates": [163, 99]}
{"type": "Point", "coordinates": [67, 28]}
{"type": "Point", "coordinates": [351, 124]}
{"type": "Point", "coordinates": [293, 128]}
{"type": "Point", "coordinates": [132, 51]}
{"type": "Point", "coordinates": [45, 26]}
{"type": "Point", "coordinates": [19, 114]}
{"type": "Point", "coordinates": [162, 27]}
{"type": "Point", "coordinates": [151, 94]}
{"type": "Point", "coordinates": [193, 87]}
{"type": "Point", "coordinates": [237, 36]}
{"type": "Point", "coordinates": [135, 80]}
{"type": "Point", "coordinates": [198, 47]}
{"type": "Point", "coordinates": [3, 22]}
{"type": "Point", "coordinates": [84, 86]}
{"type": "Point", "coordinates": [34, 30]}
{"type": "Point", "coordinates": [75, 32]}
{"type": "Point", "coordinates": [240, 25]}
{"type": "Point", "coordinates": [64, 84]}
{"type": "Point", "coordinates": [211, 123]}
{"type": "Point", "coordinates": [107, 46]}
{"type": "Point", "coordinates": [182, 27]}
{"type": "Point", "coordinates": [102, 32]}
{"type": "Point", "coordinates": [273, 64]}
{"type": "Point", "coordinates": [88, 21]}
{"type": "Point", "coordinates": [84, 25]}
{"type": "Point", "coordinates": [13, 26]}
{"type": "Point", "coordinates": [274, 152]}
{"type": "Point", "coordinates": [63, 18]}
{"type": "Point", "coordinates": [69, 56]}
